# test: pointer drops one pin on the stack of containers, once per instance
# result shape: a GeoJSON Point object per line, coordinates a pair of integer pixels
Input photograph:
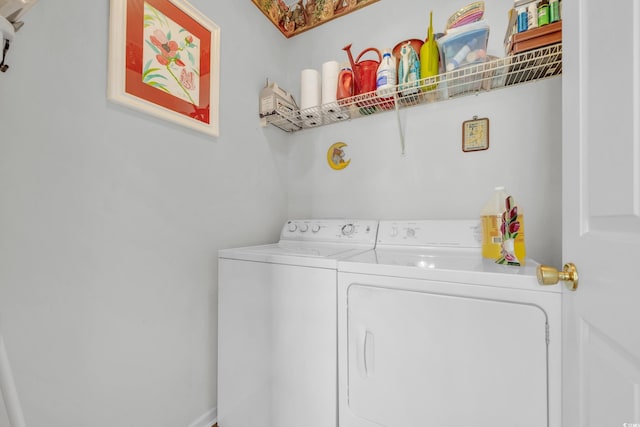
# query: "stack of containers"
{"type": "Point", "coordinates": [462, 49]}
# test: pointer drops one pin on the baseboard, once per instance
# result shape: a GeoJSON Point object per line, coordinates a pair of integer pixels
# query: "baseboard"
{"type": "Point", "coordinates": [207, 419]}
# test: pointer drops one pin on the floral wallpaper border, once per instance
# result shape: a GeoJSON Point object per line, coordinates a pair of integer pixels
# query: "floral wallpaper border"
{"type": "Point", "coordinates": [306, 14]}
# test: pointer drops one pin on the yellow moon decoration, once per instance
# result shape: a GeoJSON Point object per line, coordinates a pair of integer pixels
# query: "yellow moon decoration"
{"type": "Point", "coordinates": [335, 156]}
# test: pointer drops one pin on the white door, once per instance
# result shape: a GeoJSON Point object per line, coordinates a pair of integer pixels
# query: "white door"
{"type": "Point", "coordinates": [601, 212]}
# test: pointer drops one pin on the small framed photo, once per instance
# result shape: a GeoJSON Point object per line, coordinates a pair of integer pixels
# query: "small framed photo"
{"type": "Point", "coordinates": [164, 60]}
{"type": "Point", "coordinates": [475, 134]}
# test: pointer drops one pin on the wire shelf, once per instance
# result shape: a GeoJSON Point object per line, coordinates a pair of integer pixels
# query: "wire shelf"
{"type": "Point", "coordinates": [496, 73]}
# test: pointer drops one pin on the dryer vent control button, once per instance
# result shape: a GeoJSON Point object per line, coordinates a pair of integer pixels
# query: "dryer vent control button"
{"type": "Point", "coordinates": [347, 229]}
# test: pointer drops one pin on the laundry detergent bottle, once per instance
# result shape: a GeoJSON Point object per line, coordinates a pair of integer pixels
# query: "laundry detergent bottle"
{"type": "Point", "coordinates": [502, 222]}
{"type": "Point", "coordinates": [386, 75]}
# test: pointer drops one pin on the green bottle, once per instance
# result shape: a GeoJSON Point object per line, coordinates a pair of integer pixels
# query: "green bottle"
{"type": "Point", "coordinates": [554, 11]}
{"type": "Point", "coordinates": [429, 57]}
{"type": "Point", "coordinates": [543, 13]}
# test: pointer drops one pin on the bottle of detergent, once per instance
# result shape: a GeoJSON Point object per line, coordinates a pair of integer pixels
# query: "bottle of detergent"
{"type": "Point", "coordinates": [429, 57]}
{"type": "Point", "coordinates": [502, 222]}
{"type": "Point", "coordinates": [386, 80]}
{"type": "Point", "coordinates": [386, 76]}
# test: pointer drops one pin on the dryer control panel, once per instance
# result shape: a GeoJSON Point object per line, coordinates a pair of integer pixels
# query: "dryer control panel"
{"type": "Point", "coordinates": [331, 230]}
{"type": "Point", "coordinates": [433, 233]}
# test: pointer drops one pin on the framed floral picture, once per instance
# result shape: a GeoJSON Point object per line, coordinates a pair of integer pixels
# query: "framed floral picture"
{"type": "Point", "coordinates": [164, 60]}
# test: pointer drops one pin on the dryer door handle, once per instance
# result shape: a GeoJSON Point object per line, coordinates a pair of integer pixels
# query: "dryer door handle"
{"type": "Point", "coordinates": [367, 353]}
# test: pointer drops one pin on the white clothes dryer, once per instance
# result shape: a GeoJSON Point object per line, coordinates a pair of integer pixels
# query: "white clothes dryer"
{"type": "Point", "coordinates": [432, 334]}
{"type": "Point", "coordinates": [277, 327]}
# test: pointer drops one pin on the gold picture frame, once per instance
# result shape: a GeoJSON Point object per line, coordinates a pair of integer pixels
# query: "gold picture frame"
{"type": "Point", "coordinates": [475, 134]}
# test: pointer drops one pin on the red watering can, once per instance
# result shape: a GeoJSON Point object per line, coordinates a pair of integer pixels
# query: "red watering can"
{"type": "Point", "coordinates": [364, 72]}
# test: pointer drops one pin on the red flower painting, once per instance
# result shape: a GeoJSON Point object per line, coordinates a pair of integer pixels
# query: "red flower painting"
{"type": "Point", "coordinates": [165, 57]}
{"type": "Point", "coordinates": [164, 60]}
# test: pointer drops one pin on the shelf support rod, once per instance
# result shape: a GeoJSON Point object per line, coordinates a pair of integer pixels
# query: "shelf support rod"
{"type": "Point", "coordinates": [400, 130]}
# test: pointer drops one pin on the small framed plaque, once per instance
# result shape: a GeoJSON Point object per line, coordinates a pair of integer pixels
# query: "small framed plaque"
{"type": "Point", "coordinates": [475, 134]}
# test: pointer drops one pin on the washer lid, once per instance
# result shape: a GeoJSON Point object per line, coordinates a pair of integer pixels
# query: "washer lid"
{"type": "Point", "coordinates": [313, 243]}
{"type": "Point", "coordinates": [321, 255]}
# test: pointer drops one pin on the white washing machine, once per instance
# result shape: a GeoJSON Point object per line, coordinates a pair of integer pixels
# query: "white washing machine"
{"type": "Point", "coordinates": [432, 334]}
{"type": "Point", "coordinates": [277, 327]}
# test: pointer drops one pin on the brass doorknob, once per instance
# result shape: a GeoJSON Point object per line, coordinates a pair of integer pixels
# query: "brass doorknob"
{"type": "Point", "coordinates": [550, 276]}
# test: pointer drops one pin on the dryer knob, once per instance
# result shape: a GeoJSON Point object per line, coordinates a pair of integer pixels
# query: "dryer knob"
{"type": "Point", "coordinates": [411, 232]}
{"type": "Point", "coordinates": [315, 228]}
{"type": "Point", "coordinates": [304, 228]}
{"type": "Point", "coordinates": [347, 229]}
{"type": "Point", "coordinates": [292, 227]}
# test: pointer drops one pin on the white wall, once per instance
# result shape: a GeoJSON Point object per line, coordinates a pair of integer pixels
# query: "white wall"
{"type": "Point", "coordinates": [435, 179]}
{"type": "Point", "coordinates": [110, 222]}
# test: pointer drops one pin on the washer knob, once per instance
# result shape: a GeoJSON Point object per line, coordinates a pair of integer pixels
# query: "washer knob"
{"type": "Point", "coordinates": [304, 228]}
{"type": "Point", "coordinates": [347, 229]}
{"type": "Point", "coordinates": [315, 228]}
{"type": "Point", "coordinates": [411, 232]}
{"type": "Point", "coordinates": [292, 227]}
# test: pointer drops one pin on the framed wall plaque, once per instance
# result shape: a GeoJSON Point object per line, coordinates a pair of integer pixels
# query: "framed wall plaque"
{"type": "Point", "coordinates": [475, 134]}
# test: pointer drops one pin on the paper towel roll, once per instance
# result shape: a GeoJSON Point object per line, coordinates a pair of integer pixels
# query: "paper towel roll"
{"type": "Point", "coordinates": [330, 107]}
{"type": "Point", "coordinates": [330, 71]}
{"type": "Point", "coordinates": [310, 96]}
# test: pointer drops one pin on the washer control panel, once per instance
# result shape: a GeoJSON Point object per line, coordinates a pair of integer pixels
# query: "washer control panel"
{"type": "Point", "coordinates": [331, 230]}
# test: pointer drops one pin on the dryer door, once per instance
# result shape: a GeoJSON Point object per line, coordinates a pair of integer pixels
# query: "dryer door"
{"type": "Point", "coordinates": [420, 359]}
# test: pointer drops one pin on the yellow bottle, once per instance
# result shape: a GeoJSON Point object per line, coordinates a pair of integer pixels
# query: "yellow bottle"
{"type": "Point", "coordinates": [491, 218]}
{"type": "Point", "coordinates": [429, 57]}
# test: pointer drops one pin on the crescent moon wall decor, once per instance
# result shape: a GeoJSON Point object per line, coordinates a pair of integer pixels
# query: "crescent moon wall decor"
{"type": "Point", "coordinates": [335, 156]}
